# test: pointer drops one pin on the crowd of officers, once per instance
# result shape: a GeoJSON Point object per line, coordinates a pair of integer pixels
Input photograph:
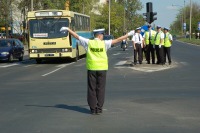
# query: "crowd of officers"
{"type": "Point", "coordinates": [152, 43]}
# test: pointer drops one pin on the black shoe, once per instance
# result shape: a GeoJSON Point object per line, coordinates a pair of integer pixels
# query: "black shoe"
{"type": "Point", "coordinates": [148, 62]}
{"type": "Point", "coordinates": [170, 63]}
{"type": "Point", "coordinates": [140, 62]}
{"type": "Point", "coordinates": [98, 112]}
{"type": "Point", "coordinates": [153, 63]}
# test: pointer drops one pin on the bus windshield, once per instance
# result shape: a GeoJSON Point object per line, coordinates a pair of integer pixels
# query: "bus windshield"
{"type": "Point", "coordinates": [48, 27]}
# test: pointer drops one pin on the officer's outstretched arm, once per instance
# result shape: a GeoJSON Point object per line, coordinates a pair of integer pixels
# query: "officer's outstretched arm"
{"type": "Point", "coordinates": [70, 31]}
{"type": "Point", "coordinates": [131, 33]}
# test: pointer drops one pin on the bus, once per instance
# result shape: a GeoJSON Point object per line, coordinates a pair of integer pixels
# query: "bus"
{"type": "Point", "coordinates": [45, 39]}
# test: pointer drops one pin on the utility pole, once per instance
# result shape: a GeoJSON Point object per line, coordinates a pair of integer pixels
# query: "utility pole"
{"type": "Point", "coordinates": [31, 5]}
{"type": "Point", "coordinates": [109, 19]}
{"type": "Point", "coordinates": [190, 19]}
{"type": "Point", "coordinates": [184, 21]}
{"type": "Point", "coordinates": [124, 15]}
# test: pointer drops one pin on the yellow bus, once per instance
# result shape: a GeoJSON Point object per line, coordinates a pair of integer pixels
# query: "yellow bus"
{"type": "Point", "coordinates": [45, 39]}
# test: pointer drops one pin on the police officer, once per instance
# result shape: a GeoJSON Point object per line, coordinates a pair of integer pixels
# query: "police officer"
{"type": "Point", "coordinates": [159, 45]}
{"type": "Point", "coordinates": [137, 45]}
{"type": "Point", "coordinates": [167, 45]}
{"type": "Point", "coordinates": [97, 65]}
{"type": "Point", "coordinates": [149, 44]}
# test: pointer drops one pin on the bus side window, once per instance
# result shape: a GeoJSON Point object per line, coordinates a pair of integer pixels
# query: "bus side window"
{"type": "Point", "coordinates": [73, 24]}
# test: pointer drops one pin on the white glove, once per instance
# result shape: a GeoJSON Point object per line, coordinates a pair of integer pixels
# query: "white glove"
{"type": "Point", "coordinates": [131, 33]}
{"type": "Point", "coordinates": [160, 46]}
{"type": "Point", "coordinates": [64, 29]}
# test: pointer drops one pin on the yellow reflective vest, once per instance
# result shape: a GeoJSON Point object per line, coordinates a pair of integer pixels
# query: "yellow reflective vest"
{"type": "Point", "coordinates": [153, 33]}
{"type": "Point", "coordinates": [97, 58]}
{"type": "Point", "coordinates": [157, 38]}
{"type": "Point", "coordinates": [167, 42]}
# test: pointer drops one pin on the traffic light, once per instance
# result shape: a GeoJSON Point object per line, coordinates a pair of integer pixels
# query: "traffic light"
{"type": "Point", "coordinates": [150, 14]}
{"type": "Point", "coordinates": [148, 18]}
{"type": "Point", "coordinates": [152, 18]}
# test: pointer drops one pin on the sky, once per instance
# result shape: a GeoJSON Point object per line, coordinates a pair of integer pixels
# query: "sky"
{"type": "Point", "coordinates": [166, 13]}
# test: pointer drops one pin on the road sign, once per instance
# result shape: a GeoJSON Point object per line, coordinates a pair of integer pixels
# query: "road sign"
{"type": "Point", "coordinates": [199, 26]}
{"type": "Point", "coordinates": [184, 26]}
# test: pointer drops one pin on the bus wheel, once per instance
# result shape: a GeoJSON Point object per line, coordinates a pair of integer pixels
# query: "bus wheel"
{"type": "Point", "coordinates": [77, 55]}
{"type": "Point", "coordinates": [39, 61]}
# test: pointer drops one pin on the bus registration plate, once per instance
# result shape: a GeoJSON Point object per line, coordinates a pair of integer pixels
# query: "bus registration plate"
{"type": "Point", "coordinates": [49, 54]}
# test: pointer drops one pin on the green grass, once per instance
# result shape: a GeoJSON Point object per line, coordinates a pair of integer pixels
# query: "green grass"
{"type": "Point", "coordinates": [193, 40]}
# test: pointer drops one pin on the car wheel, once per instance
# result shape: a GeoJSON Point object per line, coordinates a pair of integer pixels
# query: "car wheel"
{"type": "Point", "coordinates": [10, 59]}
{"type": "Point", "coordinates": [21, 57]}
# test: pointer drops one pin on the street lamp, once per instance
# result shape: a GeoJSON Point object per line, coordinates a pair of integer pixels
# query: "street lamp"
{"type": "Point", "coordinates": [109, 18]}
{"type": "Point", "coordinates": [190, 18]}
{"type": "Point", "coordinates": [31, 5]}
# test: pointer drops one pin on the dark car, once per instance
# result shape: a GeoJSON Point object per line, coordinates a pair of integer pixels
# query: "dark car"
{"type": "Point", "coordinates": [11, 49]}
{"type": "Point", "coordinates": [108, 37]}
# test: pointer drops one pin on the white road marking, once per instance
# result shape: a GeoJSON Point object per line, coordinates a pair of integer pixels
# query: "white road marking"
{"type": "Point", "coordinates": [144, 67]}
{"type": "Point", "coordinates": [120, 63]}
{"type": "Point", "coordinates": [29, 65]}
{"type": "Point", "coordinates": [117, 54]}
{"type": "Point", "coordinates": [15, 64]}
{"type": "Point", "coordinates": [60, 67]}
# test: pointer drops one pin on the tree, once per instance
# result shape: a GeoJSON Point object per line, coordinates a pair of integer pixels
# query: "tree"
{"type": "Point", "coordinates": [5, 14]}
{"type": "Point", "coordinates": [132, 19]}
{"type": "Point", "coordinates": [176, 26]}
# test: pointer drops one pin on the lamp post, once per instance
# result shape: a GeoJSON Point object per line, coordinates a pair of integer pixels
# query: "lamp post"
{"type": "Point", "coordinates": [31, 5]}
{"type": "Point", "coordinates": [190, 18]}
{"type": "Point", "coordinates": [109, 18]}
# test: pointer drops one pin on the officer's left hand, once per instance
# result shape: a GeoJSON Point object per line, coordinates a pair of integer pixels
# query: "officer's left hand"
{"type": "Point", "coordinates": [160, 46]}
{"type": "Point", "coordinates": [131, 33]}
{"type": "Point", "coordinates": [64, 29]}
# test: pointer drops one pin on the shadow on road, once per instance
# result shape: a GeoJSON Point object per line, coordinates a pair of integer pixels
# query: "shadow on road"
{"type": "Point", "coordinates": [80, 109]}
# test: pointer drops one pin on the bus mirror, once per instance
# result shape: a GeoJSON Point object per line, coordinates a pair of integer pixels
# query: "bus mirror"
{"type": "Point", "coordinates": [73, 23]}
{"type": "Point", "coordinates": [24, 24]}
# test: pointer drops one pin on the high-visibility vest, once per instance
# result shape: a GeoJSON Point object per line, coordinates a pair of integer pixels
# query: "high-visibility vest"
{"type": "Point", "coordinates": [97, 58]}
{"type": "Point", "coordinates": [147, 37]}
{"type": "Point", "coordinates": [157, 38]}
{"type": "Point", "coordinates": [167, 42]}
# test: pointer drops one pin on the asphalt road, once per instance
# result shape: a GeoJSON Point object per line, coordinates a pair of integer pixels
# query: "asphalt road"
{"type": "Point", "coordinates": [51, 97]}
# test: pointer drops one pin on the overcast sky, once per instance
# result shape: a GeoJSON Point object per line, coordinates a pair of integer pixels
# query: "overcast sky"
{"type": "Point", "coordinates": [166, 13]}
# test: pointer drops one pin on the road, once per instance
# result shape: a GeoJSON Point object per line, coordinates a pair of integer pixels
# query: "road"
{"type": "Point", "coordinates": [51, 97]}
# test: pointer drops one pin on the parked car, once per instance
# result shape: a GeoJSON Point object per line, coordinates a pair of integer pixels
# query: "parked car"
{"type": "Point", "coordinates": [11, 49]}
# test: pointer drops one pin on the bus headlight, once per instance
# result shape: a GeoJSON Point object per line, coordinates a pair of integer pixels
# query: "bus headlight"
{"type": "Point", "coordinates": [33, 51]}
{"type": "Point", "coordinates": [64, 50]}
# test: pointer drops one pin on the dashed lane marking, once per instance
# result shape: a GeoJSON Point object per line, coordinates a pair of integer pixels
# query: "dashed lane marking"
{"type": "Point", "coordinates": [10, 65]}
{"type": "Point", "coordinates": [60, 67]}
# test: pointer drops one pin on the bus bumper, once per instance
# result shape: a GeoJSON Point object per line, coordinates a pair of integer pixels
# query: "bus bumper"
{"type": "Point", "coordinates": [50, 55]}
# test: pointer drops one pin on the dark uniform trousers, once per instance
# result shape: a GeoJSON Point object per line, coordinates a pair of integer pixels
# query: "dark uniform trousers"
{"type": "Point", "coordinates": [150, 51]}
{"type": "Point", "coordinates": [159, 54]}
{"type": "Point", "coordinates": [138, 51]}
{"type": "Point", "coordinates": [167, 52]}
{"type": "Point", "coordinates": [96, 89]}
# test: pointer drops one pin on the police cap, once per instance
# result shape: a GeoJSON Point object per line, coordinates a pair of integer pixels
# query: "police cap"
{"type": "Point", "coordinates": [98, 31]}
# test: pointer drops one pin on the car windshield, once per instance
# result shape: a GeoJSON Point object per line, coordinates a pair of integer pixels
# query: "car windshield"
{"type": "Point", "coordinates": [48, 27]}
{"type": "Point", "coordinates": [5, 43]}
